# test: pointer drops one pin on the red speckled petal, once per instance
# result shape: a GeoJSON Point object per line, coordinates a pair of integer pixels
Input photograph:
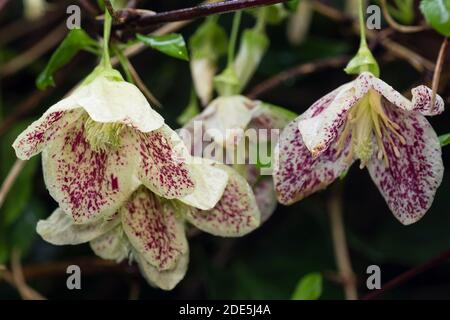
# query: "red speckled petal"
{"type": "Point", "coordinates": [210, 182]}
{"type": "Point", "coordinates": [154, 230]}
{"type": "Point", "coordinates": [411, 180]}
{"type": "Point", "coordinates": [265, 196]}
{"type": "Point", "coordinates": [41, 132]}
{"type": "Point", "coordinates": [167, 279]}
{"type": "Point", "coordinates": [59, 229]}
{"type": "Point", "coordinates": [322, 122]}
{"type": "Point", "coordinates": [297, 174]}
{"type": "Point", "coordinates": [421, 101]}
{"type": "Point", "coordinates": [112, 245]}
{"type": "Point", "coordinates": [236, 213]}
{"type": "Point", "coordinates": [162, 166]}
{"type": "Point", "coordinates": [89, 184]}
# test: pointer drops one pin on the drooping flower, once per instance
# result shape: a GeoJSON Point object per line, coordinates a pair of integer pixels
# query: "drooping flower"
{"type": "Point", "coordinates": [151, 230]}
{"type": "Point", "coordinates": [366, 120]}
{"type": "Point", "coordinates": [221, 130]}
{"type": "Point", "coordinates": [100, 144]}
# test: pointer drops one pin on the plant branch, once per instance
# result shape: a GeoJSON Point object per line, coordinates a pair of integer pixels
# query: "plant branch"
{"type": "Point", "coordinates": [340, 243]}
{"type": "Point", "coordinates": [404, 277]}
{"type": "Point", "coordinates": [438, 70]}
{"type": "Point", "coordinates": [301, 69]}
{"type": "Point", "coordinates": [395, 25]}
{"type": "Point", "coordinates": [142, 19]}
{"type": "Point", "coordinates": [10, 179]}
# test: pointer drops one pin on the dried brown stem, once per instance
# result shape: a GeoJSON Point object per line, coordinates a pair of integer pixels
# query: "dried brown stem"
{"type": "Point", "coordinates": [408, 275]}
{"type": "Point", "coordinates": [10, 179]}
{"type": "Point", "coordinates": [340, 244]}
{"type": "Point", "coordinates": [26, 292]}
{"type": "Point", "coordinates": [34, 53]}
{"type": "Point", "coordinates": [302, 69]}
{"type": "Point", "coordinates": [395, 25]}
{"type": "Point", "coordinates": [438, 70]}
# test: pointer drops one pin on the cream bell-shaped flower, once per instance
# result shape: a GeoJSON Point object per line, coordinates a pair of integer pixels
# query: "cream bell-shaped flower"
{"type": "Point", "coordinates": [222, 127]}
{"type": "Point", "coordinates": [151, 230]}
{"type": "Point", "coordinates": [366, 120]}
{"type": "Point", "coordinates": [100, 144]}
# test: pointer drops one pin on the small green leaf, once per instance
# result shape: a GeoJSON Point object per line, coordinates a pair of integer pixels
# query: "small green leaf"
{"type": "Point", "coordinates": [444, 139]}
{"type": "Point", "coordinates": [171, 44]}
{"type": "Point", "coordinates": [76, 40]}
{"type": "Point", "coordinates": [309, 287]}
{"type": "Point", "coordinates": [437, 14]}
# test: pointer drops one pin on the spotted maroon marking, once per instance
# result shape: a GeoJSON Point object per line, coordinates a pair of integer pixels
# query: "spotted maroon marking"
{"type": "Point", "coordinates": [85, 182]}
{"type": "Point", "coordinates": [298, 174]}
{"type": "Point", "coordinates": [160, 167]}
{"type": "Point", "coordinates": [411, 180]}
{"type": "Point", "coordinates": [41, 132]}
{"type": "Point", "coordinates": [154, 230]}
{"type": "Point", "coordinates": [235, 214]}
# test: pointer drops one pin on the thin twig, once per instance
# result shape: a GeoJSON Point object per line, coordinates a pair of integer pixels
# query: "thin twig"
{"type": "Point", "coordinates": [340, 244]}
{"type": "Point", "coordinates": [10, 179]}
{"type": "Point", "coordinates": [26, 292]}
{"type": "Point", "coordinates": [438, 70]}
{"type": "Point", "coordinates": [89, 7]}
{"type": "Point", "coordinates": [395, 25]}
{"type": "Point", "coordinates": [142, 20]}
{"type": "Point", "coordinates": [34, 53]}
{"type": "Point", "coordinates": [141, 85]}
{"type": "Point", "coordinates": [302, 69]}
{"type": "Point", "coordinates": [408, 275]}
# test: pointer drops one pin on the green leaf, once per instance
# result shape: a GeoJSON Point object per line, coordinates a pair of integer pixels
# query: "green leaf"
{"type": "Point", "coordinates": [437, 14]}
{"type": "Point", "coordinates": [76, 40]}
{"type": "Point", "coordinates": [309, 287]}
{"type": "Point", "coordinates": [444, 139]}
{"type": "Point", "coordinates": [170, 44]}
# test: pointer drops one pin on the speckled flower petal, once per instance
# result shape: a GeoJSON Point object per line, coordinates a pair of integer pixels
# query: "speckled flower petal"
{"type": "Point", "coordinates": [167, 279]}
{"type": "Point", "coordinates": [265, 196]}
{"type": "Point", "coordinates": [44, 130]}
{"type": "Point", "coordinates": [411, 180]}
{"type": "Point", "coordinates": [421, 101]}
{"type": "Point", "coordinates": [59, 229]}
{"type": "Point", "coordinates": [297, 173]}
{"type": "Point", "coordinates": [154, 229]}
{"type": "Point", "coordinates": [322, 122]}
{"type": "Point", "coordinates": [106, 100]}
{"type": "Point", "coordinates": [210, 183]}
{"type": "Point", "coordinates": [236, 214]}
{"type": "Point", "coordinates": [162, 164]}
{"type": "Point", "coordinates": [319, 131]}
{"type": "Point", "coordinates": [226, 117]}
{"type": "Point", "coordinates": [421, 95]}
{"type": "Point", "coordinates": [112, 245]}
{"type": "Point", "coordinates": [88, 184]}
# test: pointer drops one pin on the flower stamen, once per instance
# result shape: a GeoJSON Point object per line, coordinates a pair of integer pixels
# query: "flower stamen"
{"type": "Point", "coordinates": [102, 136]}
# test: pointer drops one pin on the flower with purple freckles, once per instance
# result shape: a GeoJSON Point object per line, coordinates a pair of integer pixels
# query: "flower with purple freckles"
{"type": "Point", "coordinates": [365, 119]}
{"type": "Point", "coordinates": [151, 230]}
{"type": "Point", "coordinates": [223, 123]}
{"type": "Point", "coordinates": [100, 144]}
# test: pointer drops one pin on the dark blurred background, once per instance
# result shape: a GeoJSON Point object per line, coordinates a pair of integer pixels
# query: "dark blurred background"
{"type": "Point", "coordinates": [296, 240]}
